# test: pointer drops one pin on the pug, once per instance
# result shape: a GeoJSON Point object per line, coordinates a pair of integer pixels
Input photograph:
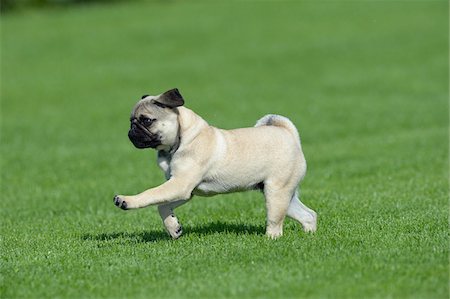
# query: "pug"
{"type": "Point", "coordinates": [199, 159]}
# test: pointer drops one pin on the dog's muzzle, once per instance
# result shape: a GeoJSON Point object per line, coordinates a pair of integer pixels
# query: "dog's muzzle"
{"type": "Point", "coordinates": [141, 137]}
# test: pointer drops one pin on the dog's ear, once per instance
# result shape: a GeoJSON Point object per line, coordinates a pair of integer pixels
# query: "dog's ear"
{"type": "Point", "coordinates": [171, 99]}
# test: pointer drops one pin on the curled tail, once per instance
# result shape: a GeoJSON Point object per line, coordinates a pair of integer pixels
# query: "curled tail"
{"type": "Point", "coordinates": [279, 121]}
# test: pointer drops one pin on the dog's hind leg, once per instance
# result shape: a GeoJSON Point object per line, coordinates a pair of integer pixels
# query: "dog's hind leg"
{"type": "Point", "coordinates": [277, 203]}
{"type": "Point", "coordinates": [169, 219]}
{"type": "Point", "coordinates": [298, 211]}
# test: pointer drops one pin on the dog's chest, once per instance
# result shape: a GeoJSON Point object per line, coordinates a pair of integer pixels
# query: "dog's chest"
{"type": "Point", "coordinates": [164, 163]}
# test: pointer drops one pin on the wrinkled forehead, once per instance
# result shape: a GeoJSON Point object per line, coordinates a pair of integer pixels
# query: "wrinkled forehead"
{"type": "Point", "coordinates": [146, 107]}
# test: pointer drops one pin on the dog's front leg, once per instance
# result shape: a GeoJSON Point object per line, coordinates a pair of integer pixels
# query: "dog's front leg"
{"type": "Point", "coordinates": [172, 190]}
{"type": "Point", "coordinates": [169, 218]}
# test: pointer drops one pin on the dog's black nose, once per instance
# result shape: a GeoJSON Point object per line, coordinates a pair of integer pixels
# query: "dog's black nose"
{"type": "Point", "coordinates": [144, 96]}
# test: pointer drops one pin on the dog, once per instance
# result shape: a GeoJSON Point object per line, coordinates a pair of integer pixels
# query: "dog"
{"type": "Point", "coordinates": [199, 159]}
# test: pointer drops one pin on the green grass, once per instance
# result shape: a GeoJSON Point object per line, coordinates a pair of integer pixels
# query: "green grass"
{"type": "Point", "coordinates": [365, 82]}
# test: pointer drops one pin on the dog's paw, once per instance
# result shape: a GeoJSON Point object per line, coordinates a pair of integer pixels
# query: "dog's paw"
{"type": "Point", "coordinates": [310, 223]}
{"type": "Point", "coordinates": [274, 235]}
{"type": "Point", "coordinates": [120, 202]}
{"type": "Point", "coordinates": [173, 227]}
{"type": "Point", "coordinates": [176, 233]}
{"type": "Point", "coordinates": [310, 227]}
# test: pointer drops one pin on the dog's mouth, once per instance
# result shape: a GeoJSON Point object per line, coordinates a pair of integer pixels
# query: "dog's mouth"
{"type": "Point", "coordinates": [139, 143]}
{"type": "Point", "coordinates": [141, 137]}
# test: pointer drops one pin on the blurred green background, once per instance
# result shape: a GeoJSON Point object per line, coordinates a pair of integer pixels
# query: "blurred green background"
{"type": "Point", "coordinates": [8, 5]}
{"type": "Point", "coordinates": [366, 83]}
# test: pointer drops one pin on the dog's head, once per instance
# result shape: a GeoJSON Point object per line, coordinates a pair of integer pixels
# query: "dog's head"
{"type": "Point", "coordinates": [154, 121]}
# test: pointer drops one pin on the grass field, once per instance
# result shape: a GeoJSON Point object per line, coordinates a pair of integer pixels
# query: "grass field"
{"type": "Point", "coordinates": [365, 82]}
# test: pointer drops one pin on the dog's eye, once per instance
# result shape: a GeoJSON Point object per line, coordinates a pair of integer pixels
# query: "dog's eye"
{"type": "Point", "coordinates": [147, 121]}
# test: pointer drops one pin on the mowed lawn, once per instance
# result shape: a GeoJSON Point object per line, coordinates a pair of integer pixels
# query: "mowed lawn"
{"type": "Point", "coordinates": [366, 83]}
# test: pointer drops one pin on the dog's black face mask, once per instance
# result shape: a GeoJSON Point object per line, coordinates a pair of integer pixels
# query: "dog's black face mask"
{"type": "Point", "coordinates": [161, 107]}
{"type": "Point", "coordinates": [140, 135]}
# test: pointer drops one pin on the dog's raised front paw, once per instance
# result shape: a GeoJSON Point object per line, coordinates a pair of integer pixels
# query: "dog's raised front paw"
{"type": "Point", "coordinates": [120, 202]}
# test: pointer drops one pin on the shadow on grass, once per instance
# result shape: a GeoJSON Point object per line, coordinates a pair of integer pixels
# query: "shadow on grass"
{"type": "Point", "coordinates": [223, 227]}
{"type": "Point", "coordinates": [161, 235]}
{"type": "Point", "coordinates": [138, 237]}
